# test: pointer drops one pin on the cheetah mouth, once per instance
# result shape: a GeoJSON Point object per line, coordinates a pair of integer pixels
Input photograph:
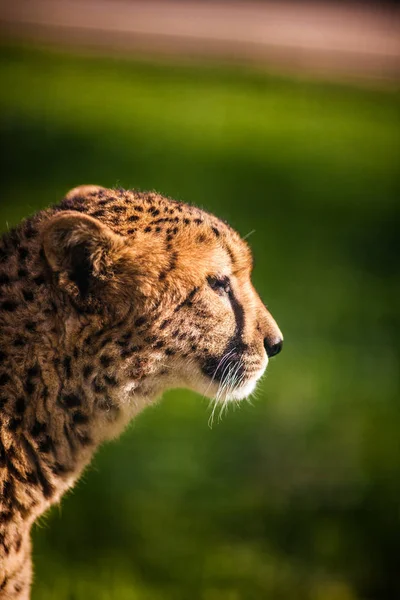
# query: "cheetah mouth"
{"type": "Point", "coordinates": [216, 368]}
{"type": "Point", "coordinates": [232, 376]}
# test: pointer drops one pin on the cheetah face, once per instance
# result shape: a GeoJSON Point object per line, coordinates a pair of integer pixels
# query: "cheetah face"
{"type": "Point", "coordinates": [221, 336]}
{"type": "Point", "coordinates": [173, 285]}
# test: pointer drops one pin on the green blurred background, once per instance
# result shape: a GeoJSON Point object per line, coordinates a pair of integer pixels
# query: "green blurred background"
{"type": "Point", "coordinates": [297, 495]}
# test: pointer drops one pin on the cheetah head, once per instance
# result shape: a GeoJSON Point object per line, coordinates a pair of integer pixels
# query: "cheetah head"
{"type": "Point", "coordinates": [165, 289]}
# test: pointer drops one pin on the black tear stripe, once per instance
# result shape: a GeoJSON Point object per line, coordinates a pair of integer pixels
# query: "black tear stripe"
{"type": "Point", "coordinates": [215, 366]}
{"type": "Point", "coordinates": [238, 311]}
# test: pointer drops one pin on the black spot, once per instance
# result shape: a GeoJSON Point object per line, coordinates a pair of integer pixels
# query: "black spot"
{"type": "Point", "coordinates": [4, 279]}
{"type": "Point", "coordinates": [3, 356]}
{"type": "Point", "coordinates": [129, 351]}
{"type": "Point", "coordinates": [201, 238]}
{"type": "Point", "coordinates": [38, 428]}
{"type": "Point", "coordinates": [22, 273]}
{"type": "Point", "coordinates": [140, 321]}
{"type": "Point", "coordinates": [84, 439]}
{"type": "Point", "coordinates": [79, 418]}
{"type": "Point", "coordinates": [23, 252]}
{"type": "Point", "coordinates": [4, 378]}
{"type": "Point", "coordinates": [216, 231]}
{"type": "Point", "coordinates": [147, 229]}
{"type": "Point", "coordinates": [70, 400]}
{"type": "Point", "coordinates": [14, 423]}
{"type": "Point", "coordinates": [46, 445]}
{"type": "Point", "coordinates": [8, 489]}
{"type": "Point", "coordinates": [20, 405]}
{"type": "Point", "coordinates": [33, 371]}
{"type": "Point", "coordinates": [67, 367]}
{"type": "Point", "coordinates": [157, 229]}
{"type": "Point", "coordinates": [30, 231]}
{"type": "Point", "coordinates": [19, 341]}
{"type": "Point", "coordinates": [106, 361]}
{"type": "Point", "coordinates": [87, 371]}
{"type": "Point", "coordinates": [133, 218]}
{"type": "Point", "coordinates": [186, 221]}
{"type": "Point", "coordinates": [154, 212]}
{"type": "Point", "coordinates": [132, 231]}
{"type": "Point", "coordinates": [165, 323]}
{"type": "Point", "coordinates": [59, 469]}
{"type": "Point", "coordinates": [5, 517]}
{"type": "Point", "coordinates": [5, 580]}
{"type": "Point", "coordinates": [98, 386]}
{"type": "Point", "coordinates": [162, 275]}
{"type": "Point", "coordinates": [110, 380]}
{"type": "Point", "coordinates": [123, 343]}
{"type": "Point", "coordinates": [88, 341]}
{"type": "Point", "coordinates": [39, 279]}
{"type": "Point", "coordinates": [98, 213]}
{"type": "Point", "coordinates": [150, 339]}
{"type": "Point", "coordinates": [159, 345]}
{"type": "Point", "coordinates": [9, 305]}
{"type": "Point", "coordinates": [30, 387]}
{"type": "Point", "coordinates": [30, 326]}
{"type": "Point", "coordinates": [169, 352]}
{"type": "Point", "coordinates": [28, 295]}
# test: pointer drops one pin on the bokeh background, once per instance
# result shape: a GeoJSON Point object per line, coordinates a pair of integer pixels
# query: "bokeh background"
{"type": "Point", "coordinates": [296, 495]}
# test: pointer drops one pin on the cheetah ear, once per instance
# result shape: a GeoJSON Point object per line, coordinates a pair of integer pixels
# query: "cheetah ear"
{"type": "Point", "coordinates": [83, 190]}
{"type": "Point", "coordinates": [82, 252]}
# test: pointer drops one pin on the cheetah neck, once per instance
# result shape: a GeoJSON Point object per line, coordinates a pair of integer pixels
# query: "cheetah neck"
{"type": "Point", "coordinates": [61, 396]}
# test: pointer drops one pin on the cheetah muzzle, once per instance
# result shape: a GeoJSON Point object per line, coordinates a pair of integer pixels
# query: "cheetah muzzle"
{"type": "Point", "coordinates": [106, 300]}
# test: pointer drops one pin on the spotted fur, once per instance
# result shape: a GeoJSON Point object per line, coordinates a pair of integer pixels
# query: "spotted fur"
{"type": "Point", "coordinates": [106, 300]}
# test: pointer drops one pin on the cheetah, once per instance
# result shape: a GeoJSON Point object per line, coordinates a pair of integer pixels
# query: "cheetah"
{"type": "Point", "coordinates": [106, 300]}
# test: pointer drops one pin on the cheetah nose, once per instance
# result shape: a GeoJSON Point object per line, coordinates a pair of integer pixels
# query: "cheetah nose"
{"type": "Point", "coordinates": [273, 347]}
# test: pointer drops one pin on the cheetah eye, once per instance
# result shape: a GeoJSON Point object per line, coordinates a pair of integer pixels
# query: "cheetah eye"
{"type": "Point", "coordinates": [219, 284]}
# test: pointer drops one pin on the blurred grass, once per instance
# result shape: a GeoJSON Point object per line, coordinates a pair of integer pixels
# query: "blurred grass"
{"type": "Point", "coordinates": [296, 496]}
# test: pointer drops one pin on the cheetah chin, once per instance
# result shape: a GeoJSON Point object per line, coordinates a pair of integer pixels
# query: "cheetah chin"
{"type": "Point", "coordinates": [107, 300]}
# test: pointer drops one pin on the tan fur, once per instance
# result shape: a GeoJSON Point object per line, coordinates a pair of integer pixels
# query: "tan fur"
{"type": "Point", "coordinates": [107, 300]}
